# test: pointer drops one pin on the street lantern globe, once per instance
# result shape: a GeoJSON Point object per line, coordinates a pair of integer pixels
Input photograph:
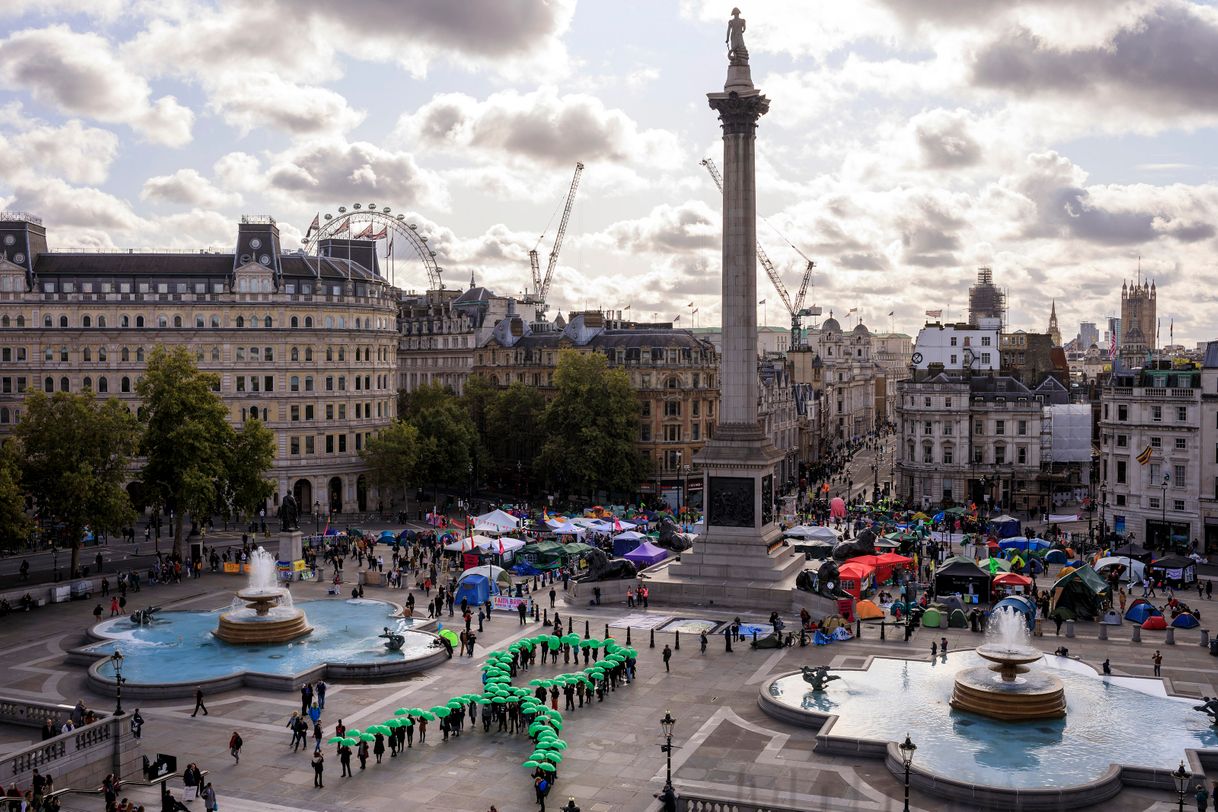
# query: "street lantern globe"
{"type": "Point", "coordinates": [667, 724]}
{"type": "Point", "coordinates": [116, 659]}
{"type": "Point", "coordinates": [1180, 776]}
{"type": "Point", "coordinates": [907, 748]}
{"type": "Point", "coordinates": [570, 806]}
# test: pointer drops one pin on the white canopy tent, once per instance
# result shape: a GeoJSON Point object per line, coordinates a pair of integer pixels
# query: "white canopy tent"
{"type": "Point", "coordinates": [1134, 572]}
{"type": "Point", "coordinates": [569, 529]}
{"type": "Point", "coordinates": [630, 535]}
{"type": "Point", "coordinates": [813, 533]}
{"type": "Point", "coordinates": [496, 522]}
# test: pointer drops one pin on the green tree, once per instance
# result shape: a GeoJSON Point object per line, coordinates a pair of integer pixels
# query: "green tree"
{"type": "Point", "coordinates": [590, 428]}
{"type": "Point", "coordinates": [187, 439]}
{"type": "Point", "coordinates": [392, 455]}
{"type": "Point", "coordinates": [513, 420]}
{"type": "Point", "coordinates": [14, 524]}
{"type": "Point", "coordinates": [250, 455]}
{"type": "Point", "coordinates": [74, 457]}
{"type": "Point", "coordinates": [448, 442]}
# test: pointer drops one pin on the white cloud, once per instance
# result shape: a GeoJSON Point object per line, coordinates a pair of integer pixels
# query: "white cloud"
{"type": "Point", "coordinates": [187, 187]}
{"type": "Point", "coordinates": [251, 100]}
{"type": "Point", "coordinates": [539, 127]}
{"type": "Point", "coordinates": [334, 169]}
{"type": "Point", "coordinates": [80, 75]}
{"type": "Point", "coordinates": [76, 152]}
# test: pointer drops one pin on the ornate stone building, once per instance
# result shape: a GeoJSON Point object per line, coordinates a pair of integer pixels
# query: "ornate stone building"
{"type": "Point", "coordinates": [440, 330]}
{"type": "Point", "coordinates": [675, 374]}
{"type": "Point", "coordinates": [1139, 303]}
{"type": "Point", "coordinates": [840, 363]}
{"type": "Point", "coordinates": [307, 344]}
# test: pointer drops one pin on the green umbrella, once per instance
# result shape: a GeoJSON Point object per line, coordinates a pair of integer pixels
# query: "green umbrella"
{"type": "Point", "coordinates": [557, 724]}
{"type": "Point", "coordinates": [549, 768]}
{"type": "Point", "coordinates": [354, 731]}
{"type": "Point", "coordinates": [570, 639]}
{"type": "Point", "coordinates": [394, 723]}
{"type": "Point", "coordinates": [553, 642]}
{"type": "Point", "coordinates": [609, 643]}
{"type": "Point", "coordinates": [538, 755]}
{"type": "Point", "coordinates": [431, 717]}
{"type": "Point", "coordinates": [500, 700]}
{"type": "Point", "coordinates": [559, 743]}
{"type": "Point", "coordinates": [547, 744]}
{"type": "Point", "coordinates": [442, 711]}
{"type": "Point", "coordinates": [415, 712]}
{"type": "Point", "coordinates": [536, 681]}
{"type": "Point", "coordinates": [401, 711]}
{"type": "Point", "coordinates": [531, 764]}
{"type": "Point", "coordinates": [368, 737]}
{"type": "Point", "coordinates": [334, 740]}
{"type": "Point", "coordinates": [454, 704]}
{"type": "Point", "coordinates": [585, 644]}
{"type": "Point", "coordinates": [554, 757]}
{"type": "Point", "coordinates": [350, 742]}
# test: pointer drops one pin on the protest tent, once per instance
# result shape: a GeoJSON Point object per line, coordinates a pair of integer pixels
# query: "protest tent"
{"type": "Point", "coordinates": [1139, 612]}
{"type": "Point", "coordinates": [1012, 579]}
{"type": "Point", "coordinates": [959, 574]}
{"type": "Point", "coordinates": [1185, 621]}
{"type": "Point", "coordinates": [1018, 603]}
{"type": "Point", "coordinates": [646, 554]}
{"type": "Point", "coordinates": [476, 589]}
{"type": "Point", "coordinates": [492, 573]}
{"type": "Point", "coordinates": [1004, 526]}
{"type": "Point", "coordinates": [496, 522]}
{"type": "Point", "coordinates": [1155, 622]}
{"type": "Point", "coordinates": [813, 549]}
{"type": "Point", "coordinates": [931, 618]}
{"type": "Point", "coordinates": [1131, 570]}
{"type": "Point", "coordinates": [1055, 557]}
{"type": "Point", "coordinates": [867, 610]}
{"type": "Point", "coordinates": [813, 533]}
{"type": "Point", "coordinates": [1080, 594]}
{"type": "Point", "coordinates": [994, 566]}
{"type": "Point", "coordinates": [856, 577]}
{"type": "Point", "coordinates": [626, 542]}
{"type": "Point", "coordinates": [569, 529]}
{"type": "Point", "coordinates": [1177, 570]}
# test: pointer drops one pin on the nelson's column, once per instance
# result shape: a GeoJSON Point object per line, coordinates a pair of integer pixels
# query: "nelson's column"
{"type": "Point", "coordinates": [740, 559]}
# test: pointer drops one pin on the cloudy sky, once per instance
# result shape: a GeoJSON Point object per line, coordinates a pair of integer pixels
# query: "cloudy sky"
{"type": "Point", "coordinates": [908, 141]}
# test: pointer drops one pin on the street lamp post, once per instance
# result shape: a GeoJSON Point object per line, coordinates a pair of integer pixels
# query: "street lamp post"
{"type": "Point", "coordinates": [907, 748]}
{"type": "Point", "coordinates": [570, 805]}
{"type": "Point", "coordinates": [316, 516]}
{"type": "Point", "coordinates": [116, 662]}
{"type": "Point", "coordinates": [666, 726]}
{"type": "Point", "coordinates": [1180, 776]}
{"type": "Point", "coordinates": [469, 481]}
{"type": "Point", "coordinates": [1163, 505]}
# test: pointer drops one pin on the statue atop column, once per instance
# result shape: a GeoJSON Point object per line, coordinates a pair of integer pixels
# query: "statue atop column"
{"type": "Point", "coordinates": [737, 54]}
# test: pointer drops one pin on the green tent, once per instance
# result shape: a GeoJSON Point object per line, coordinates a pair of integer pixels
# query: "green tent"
{"type": "Point", "coordinates": [1081, 593]}
{"type": "Point", "coordinates": [544, 554]}
{"type": "Point", "coordinates": [931, 618]}
{"type": "Point", "coordinates": [957, 620]}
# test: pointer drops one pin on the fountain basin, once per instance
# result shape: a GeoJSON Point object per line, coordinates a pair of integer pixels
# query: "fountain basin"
{"type": "Point", "coordinates": [180, 651]}
{"type": "Point", "coordinates": [1008, 690]}
{"type": "Point", "coordinates": [262, 628]}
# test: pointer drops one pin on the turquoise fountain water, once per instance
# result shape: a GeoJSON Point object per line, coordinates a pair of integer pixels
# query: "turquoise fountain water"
{"type": "Point", "coordinates": [1109, 720]}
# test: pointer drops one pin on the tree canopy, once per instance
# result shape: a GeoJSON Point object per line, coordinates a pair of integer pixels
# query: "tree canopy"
{"type": "Point", "coordinates": [74, 456]}
{"type": "Point", "coordinates": [251, 454]}
{"type": "Point", "coordinates": [187, 437]}
{"type": "Point", "coordinates": [14, 523]}
{"type": "Point", "coordinates": [590, 427]}
{"type": "Point", "coordinates": [447, 440]}
{"type": "Point", "coordinates": [392, 456]}
{"type": "Point", "coordinates": [513, 425]}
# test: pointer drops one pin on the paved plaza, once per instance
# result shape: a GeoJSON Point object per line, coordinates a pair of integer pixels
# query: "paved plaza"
{"type": "Point", "coordinates": [724, 745]}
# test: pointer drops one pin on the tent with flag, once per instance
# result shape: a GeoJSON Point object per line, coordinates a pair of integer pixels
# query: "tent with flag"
{"type": "Point", "coordinates": [496, 522]}
{"type": "Point", "coordinates": [1080, 594]}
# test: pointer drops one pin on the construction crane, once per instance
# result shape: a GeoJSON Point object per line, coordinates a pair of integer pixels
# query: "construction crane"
{"type": "Point", "coordinates": [541, 286]}
{"type": "Point", "coordinates": [795, 308]}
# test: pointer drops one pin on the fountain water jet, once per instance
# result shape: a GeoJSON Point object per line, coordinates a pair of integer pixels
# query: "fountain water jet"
{"type": "Point", "coordinates": [268, 616]}
{"type": "Point", "coordinates": [1007, 690]}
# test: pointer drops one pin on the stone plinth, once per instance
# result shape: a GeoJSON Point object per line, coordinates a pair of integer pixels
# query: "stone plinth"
{"type": "Point", "coordinates": [291, 545]}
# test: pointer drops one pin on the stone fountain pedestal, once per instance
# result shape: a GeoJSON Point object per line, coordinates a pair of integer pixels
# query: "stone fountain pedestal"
{"type": "Point", "coordinates": [269, 623]}
{"type": "Point", "coordinates": [1007, 690]}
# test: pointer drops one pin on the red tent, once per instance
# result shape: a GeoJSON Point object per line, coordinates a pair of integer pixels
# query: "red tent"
{"type": "Point", "coordinates": [883, 564]}
{"type": "Point", "coordinates": [856, 576]}
{"type": "Point", "coordinates": [1155, 622]}
{"type": "Point", "coordinates": [1012, 579]}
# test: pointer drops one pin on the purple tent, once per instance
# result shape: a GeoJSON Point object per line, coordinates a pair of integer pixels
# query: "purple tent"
{"type": "Point", "coordinates": [646, 554]}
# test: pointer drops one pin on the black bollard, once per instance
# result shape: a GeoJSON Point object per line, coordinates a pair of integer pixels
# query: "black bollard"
{"type": "Point", "coordinates": [546, 616]}
{"type": "Point", "coordinates": [754, 637]}
{"type": "Point", "coordinates": [606, 631]}
{"type": "Point", "coordinates": [653, 639]}
{"type": "Point", "coordinates": [677, 640]}
{"type": "Point", "coordinates": [881, 630]}
{"type": "Point", "coordinates": [586, 634]}
{"type": "Point", "coordinates": [570, 625]}
{"type": "Point", "coordinates": [535, 614]}
{"type": "Point", "coordinates": [627, 635]}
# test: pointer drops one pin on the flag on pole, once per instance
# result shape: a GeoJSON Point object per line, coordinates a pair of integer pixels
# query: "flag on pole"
{"type": "Point", "coordinates": [617, 524]}
{"type": "Point", "coordinates": [762, 301]}
{"type": "Point", "coordinates": [852, 311]}
{"type": "Point", "coordinates": [500, 546]}
{"type": "Point", "coordinates": [316, 224]}
{"type": "Point", "coordinates": [676, 318]}
{"type": "Point", "coordinates": [378, 235]}
{"type": "Point", "coordinates": [934, 314]}
{"type": "Point", "coordinates": [891, 312]}
{"type": "Point", "coordinates": [1145, 456]}
{"type": "Point", "coordinates": [691, 304]}
{"type": "Point", "coordinates": [696, 309]}
{"type": "Point", "coordinates": [345, 228]}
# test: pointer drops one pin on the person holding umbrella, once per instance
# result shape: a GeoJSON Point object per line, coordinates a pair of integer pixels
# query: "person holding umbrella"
{"type": "Point", "coordinates": [319, 763]}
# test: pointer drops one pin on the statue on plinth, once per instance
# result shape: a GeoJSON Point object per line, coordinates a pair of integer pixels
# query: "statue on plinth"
{"type": "Point", "coordinates": [818, 677]}
{"type": "Point", "coordinates": [289, 512]}
{"type": "Point", "coordinates": [737, 54]}
{"type": "Point", "coordinates": [1210, 708]}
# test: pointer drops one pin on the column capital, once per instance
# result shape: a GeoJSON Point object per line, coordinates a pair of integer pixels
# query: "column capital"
{"type": "Point", "coordinates": [738, 114]}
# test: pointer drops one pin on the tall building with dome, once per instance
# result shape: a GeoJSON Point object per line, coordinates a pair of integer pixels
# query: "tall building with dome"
{"type": "Point", "coordinates": [308, 344]}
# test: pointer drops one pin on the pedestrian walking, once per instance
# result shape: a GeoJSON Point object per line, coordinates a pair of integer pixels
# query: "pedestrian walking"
{"type": "Point", "coordinates": [702, 641]}
{"type": "Point", "coordinates": [319, 764]}
{"type": "Point", "coordinates": [553, 597]}
{"type": "Point", "coordinates": [727, 639]}
{"type": "Point", "coordinates": [234, 747]}
{"type": "Point", "coordinates": [1202, 797]}
{"type": "Point", "coordinates": [320, 690]}
{"type": "Point", "coordinates": [344, 760]}
{"type": "Point", "coordinates": [943, 647]}
{"type": "Point", "coordinates": [934, 649]}
{"type": "Point", "coordinates": [667, 656]}
{"type": "Point", "coordinates": [199, 706]}
{"type": "Point", "coordinates": [209, 798]}
{"type": "Point", "coordinates": [1107, 666]}
{"type": "Point", "coordinates": [1157, 659]}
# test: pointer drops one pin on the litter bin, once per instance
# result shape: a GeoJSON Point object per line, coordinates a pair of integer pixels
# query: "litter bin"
{"type": "Point", "coordinates": [1214, 647]}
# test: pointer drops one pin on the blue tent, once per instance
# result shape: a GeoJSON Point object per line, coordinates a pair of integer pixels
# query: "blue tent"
{"type": "Point", "coordinates": [1018, 603]}
{"type": "Point", "coordinates": [1023, 544]}
{"type": "Point", "coordinates": [1185, 621]}
{"type": "Point", "coordinates": [1004, 526]}
{"type": "Point", "coordinates": [389, 536]}
{"type": "Point", "coordinates": [938, 517]}
{"type": "Point", "coordinates": [474, 588]}
{"type": "Point", "coordinates": [406, 535]}
{"type": "Point", "coordinates": [819, 638]}
{"type": "Point", "coordinates": [1055, 557]}
{"type": "Point", "coordinates": [621, 546]}
{"type": "Point", "coordinates": [1140, 611]}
